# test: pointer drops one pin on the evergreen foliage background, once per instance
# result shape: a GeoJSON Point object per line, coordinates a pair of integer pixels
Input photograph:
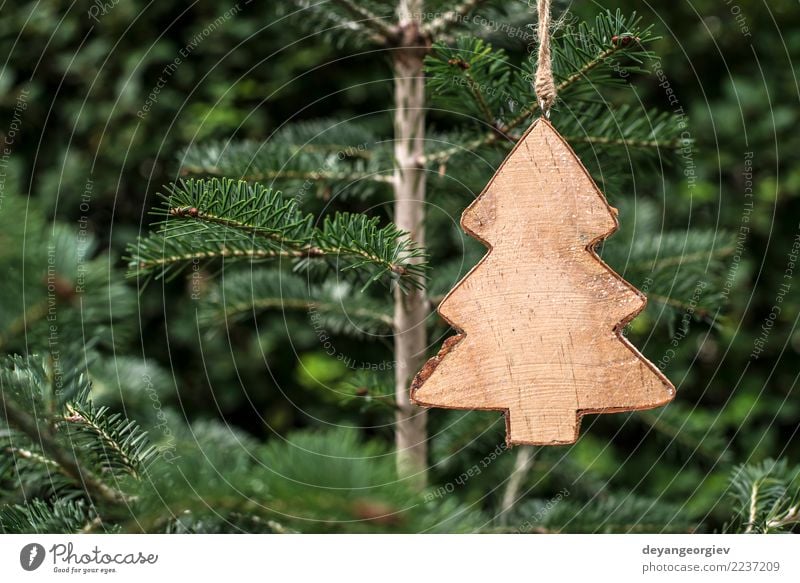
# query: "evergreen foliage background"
{"type": "Point", "coordinates": [198, 254]}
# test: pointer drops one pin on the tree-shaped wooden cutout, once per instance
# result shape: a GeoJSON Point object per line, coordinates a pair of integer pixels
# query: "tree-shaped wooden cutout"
{"type": "Point", "coordinates": [540, 317]}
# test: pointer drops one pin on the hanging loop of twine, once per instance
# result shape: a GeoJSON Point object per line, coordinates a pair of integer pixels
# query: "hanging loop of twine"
{"type": "Point", "coordinates": [544, 85]}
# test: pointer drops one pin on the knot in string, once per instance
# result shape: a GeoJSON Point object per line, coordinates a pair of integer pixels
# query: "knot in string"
{"type": "Point", "coordinates": [544, 84]}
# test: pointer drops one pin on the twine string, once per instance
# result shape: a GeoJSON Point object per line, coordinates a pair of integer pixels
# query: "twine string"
{"type": "Point", "coordinates": [544, 85]}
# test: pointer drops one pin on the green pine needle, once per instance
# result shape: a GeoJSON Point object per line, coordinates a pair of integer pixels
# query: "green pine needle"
{"type": "Point", "coordinates": [766, 497]}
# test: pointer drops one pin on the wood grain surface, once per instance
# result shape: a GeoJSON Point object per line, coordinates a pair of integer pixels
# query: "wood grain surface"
{"type": "Point", "coordinates": [539, 319]}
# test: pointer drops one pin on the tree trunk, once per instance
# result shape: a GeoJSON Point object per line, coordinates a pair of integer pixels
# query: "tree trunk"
{"type": "Point", "coordinates": [411, 309]}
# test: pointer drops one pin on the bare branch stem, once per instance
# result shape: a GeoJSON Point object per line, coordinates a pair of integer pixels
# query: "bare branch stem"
{"type": "Point", "coordinates": [384, 33]}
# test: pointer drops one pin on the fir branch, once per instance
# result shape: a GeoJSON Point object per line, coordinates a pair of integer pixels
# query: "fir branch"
{"type": "Point", "coordinates": [584, 53]}
{"type": "Point", "coordinates": [598, 124]}
{"type": "Point", "coordinates": [691, 429]}
{"type": "Point", "coordinates": [753, 514]}
{"type": "Point", "coordinates": [250, 208]}
{"type": "Point", "coordinates": [522, 464]}
{"type": "Point", "coordinates": [635, 129]}
{"type": "Point", "coordinates": [383, 33]}
{"type": "Point", "coordinates": [273, 175]}
{"type": "Point", "coordinates": [345, 156]}
{"type": "Point", "coordinates": [58, 274]}
{"type": "Point", "coordinates": [784, 520]}
{"type": "Point", "coordinates": [682, 271]}
{"type": "Point", "coordinates": [91, 525]}
{"type": "Point", "coordinates": [33, 456]}
{"type": "Point", "coordinates": [589, 66]}
{"type": "Point", "coordinates": [336, 18]}
{"type": "Point", "coordinates": [613, 514]}
{"type": "Point", "coordinates": [481, 101]}
{"type": "Point", "coordinates": [626, 143]}
{"type": "Point", "coordinates": [678, 304]}
{"type": "Point", "coordinates": [34, 313]}
{"type": "Point", "coordinates": [470, 72]}
{"type": "Point", "coordinates": [190, 256]}
{"type": "Point", "coordinates": [369, 390]}
{"type": "Point", "coordinates": [451, 18]}
{"type": "Point", "coordinates": [766, 497]}
{"type": "Point", "coordinates": [48, 403]}
{"type": "Point", "coordinates": [260, 304]}
{"type": "Point", "coordinates": [40, 517]}
{"type": "Point", "coordinates": [579, 54]}
{"type": "Point", "coordinates": [584, 59]}
{"type": "Point", "coordinates": [678, 259]}
{"type": "Point", "coordinates": [116, 443]}
{"type": "Point", "coordinates": [445, 154]}
{"type": "Point", "coordinates": [245, 294]}
{"type": "Point", "coordinates": [469, 434]}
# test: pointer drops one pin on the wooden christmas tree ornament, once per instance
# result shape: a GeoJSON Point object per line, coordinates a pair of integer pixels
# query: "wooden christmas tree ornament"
{"type": "Point", "coordinates": [539, 319]}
